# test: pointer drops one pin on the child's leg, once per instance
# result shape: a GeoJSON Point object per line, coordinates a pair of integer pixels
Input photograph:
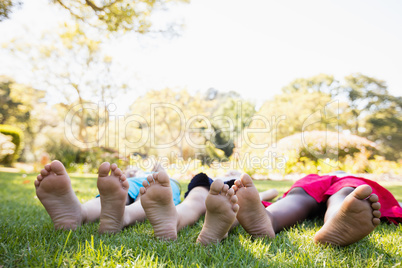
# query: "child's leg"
{"type": "Point", "coordinates": [134, 213]}
{"type": "Point", "coordinates": [192, 207]}
{"type": "Point", "coordinates": [268, 194]}
{"type": "Point", "coordinates": [351, 215]}
{"type": "Point", "coordinates": [295, 207]}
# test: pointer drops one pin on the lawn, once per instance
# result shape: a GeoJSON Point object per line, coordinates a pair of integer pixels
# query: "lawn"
{"type": "Point", "coordinates": [27, 238]}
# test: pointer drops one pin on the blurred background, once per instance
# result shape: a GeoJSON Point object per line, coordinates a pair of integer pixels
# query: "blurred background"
{"type": "Point", "coordinates": [271, 88]}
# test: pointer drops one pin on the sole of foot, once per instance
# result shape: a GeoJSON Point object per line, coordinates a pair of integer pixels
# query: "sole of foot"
{"type": "Point", "coordinates": [357, 217]}
{"type": "Point", "coordinates": [53, 188]}
{"type": "Point", "coordinates": [157, 201]}
{"type": "Point", "coordinates": [252, 214]}
{"type": "Point", "coordinates": [113, 187]}
{"type": "Point", "coordinates": [222, 207]}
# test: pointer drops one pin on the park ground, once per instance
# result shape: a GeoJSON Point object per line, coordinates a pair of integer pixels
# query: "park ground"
{"type": "Point", "coordinates": [27, 238]}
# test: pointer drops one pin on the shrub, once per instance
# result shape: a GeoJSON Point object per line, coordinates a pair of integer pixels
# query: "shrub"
{"type": "Point", "coordinates": [316, 145]}
{"type": "Point", "coordinates": [17, 137]}
{"type": "Point", "coordinates": [6, 146]}
{"type": "Point", "coordinates": [80, 160]}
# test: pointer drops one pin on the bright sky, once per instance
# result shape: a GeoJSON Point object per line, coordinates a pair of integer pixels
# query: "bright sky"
{"type": "Point", "coordinates": [254, 47]}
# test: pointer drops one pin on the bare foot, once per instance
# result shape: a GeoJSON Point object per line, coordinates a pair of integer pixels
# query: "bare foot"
{"type": "Point", "coordinates": [252, 214]}
{"type": "Point", "coordinates": [221, 204]}
{"type": "Point", "coordinates": [356, 218]}
{"type": "Point", "coordinates": [157, 201]}
{"type": "Point", "coordinates": [53, 188]}
{"type": "Point", "coordinates": [113, 190]}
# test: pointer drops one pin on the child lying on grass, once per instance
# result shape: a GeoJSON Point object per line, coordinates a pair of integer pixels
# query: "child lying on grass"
{"type": "Point", "coordinates": [351, 204]}
{"type": "Point", "coordinates": [118, 205]}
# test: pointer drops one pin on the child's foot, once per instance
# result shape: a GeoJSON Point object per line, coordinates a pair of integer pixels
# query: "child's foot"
{"type": "Point", "coordinates": [357, 217]}
{"type": "Point", "coordinates": [53, 188]}
{"type": "Point", "coordinates": [252, 214]}
{"type": "Point", "coordinates": [113, 190]}
{"type": "Point", "coordinates": [157, 201]}
{"type": "Point", "coordinates": [221, 204]}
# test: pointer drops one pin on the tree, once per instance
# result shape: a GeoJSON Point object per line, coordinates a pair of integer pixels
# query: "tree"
{"type": "Point", "coordinates": [322, 83]}
{"type": "Point", "coordinates": [385, 127]}
{"type": "Point", "coordinates": [6, 7]}
{"type": "Point", "coordinates": [235, 114]}
{"type": "Point", "coordinates": [305, 104]}
{"type": "Point", "coordinates": [365, 95]}
{"type": "Point", "coordinates": [116, 15]}
{"type": "Point", "coordinates": [19, 104]}
{"type": "Point", "coordinates": [376, 114]}
{"type": "Point", "coordinates": [8, 105]}
{"type": "Point", "coordinates": [73, 64]}
{"type": "Point", "coordinates": [168, 121]}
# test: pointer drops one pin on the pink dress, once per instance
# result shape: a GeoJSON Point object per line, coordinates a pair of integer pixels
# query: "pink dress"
{"type": "Point", "coordinates": [322, 187]}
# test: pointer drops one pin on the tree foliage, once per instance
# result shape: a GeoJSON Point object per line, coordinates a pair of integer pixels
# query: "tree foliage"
{"type": "Point", "coordinates": [116, 15]}
{"type": "Point", "coordinates": [19, 106]}
{"type": "Point", "coordinates": [73, 64]}
{"type": "Point", "coordinates": [321, 83]}
{"type": "Point", "coordinates": [6, 7]}
{"type": "Point", "coordinates": [375, 113]}
{"type": "Point", "coordinates": [235, 115]}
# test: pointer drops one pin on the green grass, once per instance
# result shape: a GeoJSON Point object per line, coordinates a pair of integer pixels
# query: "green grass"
{"type": "Point", "coordinates": [27, 238]}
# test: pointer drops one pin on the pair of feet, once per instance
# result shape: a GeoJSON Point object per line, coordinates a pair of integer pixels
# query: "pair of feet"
{"type": "Point", "coordinates": [54, 190]}
{"type": "Point", "coordinates": [356, 217]}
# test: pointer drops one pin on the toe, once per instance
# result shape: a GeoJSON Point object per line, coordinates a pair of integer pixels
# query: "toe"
{"type": "Point", "coordinates": [246, 180]}
{"type": "Point", "coordinates": [113, 166]}
{"type": "Point", "coordinates": [125, 184]}
{"type": "Point", "coordinates": [150, 179]}
{"type": "Point", "coordinates": [39, 177]}
{"type": "Point", "coordinates": [239, 184]}
{"type": "Point", "coordinates": [233, 199]}
{"type": "Point", "coordinates": [117, 172]}
{"type": "Point", "coordinates": [225, 189]}
{"type": "Point", "coordinates": [373, 198]}
{"type": "Point", "coordinates": [36, 183]}
{"type": "Point", "coordinates": [44, 173]}
{"type": "Point", "coordinates": [142, 190]}
{"type": "Point", "coordinates": [216, 187]}
{"type": "Point", "coordinates": [230, 192]}
{"type": "Point", "coordinates": [47, 167]}
{"type": "Point", "coordinates": [235, 188]}
{"type": "Point", "coordinates": [58, 168]}
{"type": "Point", "coordinates": [376, 221]}
{"type": "Point", "coordinates": [162, 177]}
{"type": "Point", "coordinates": [235, 208]}
{"type": "Point", "coordinates": [362, 192]}
{"type": "Point", "coordinates": [377, 213]}
{"type": "Point", "coordinates": [104, 169]}
{"type": "Point", "coordinates": [145, 184]}
{"type": "Point", "coordinates": [376, 205]}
